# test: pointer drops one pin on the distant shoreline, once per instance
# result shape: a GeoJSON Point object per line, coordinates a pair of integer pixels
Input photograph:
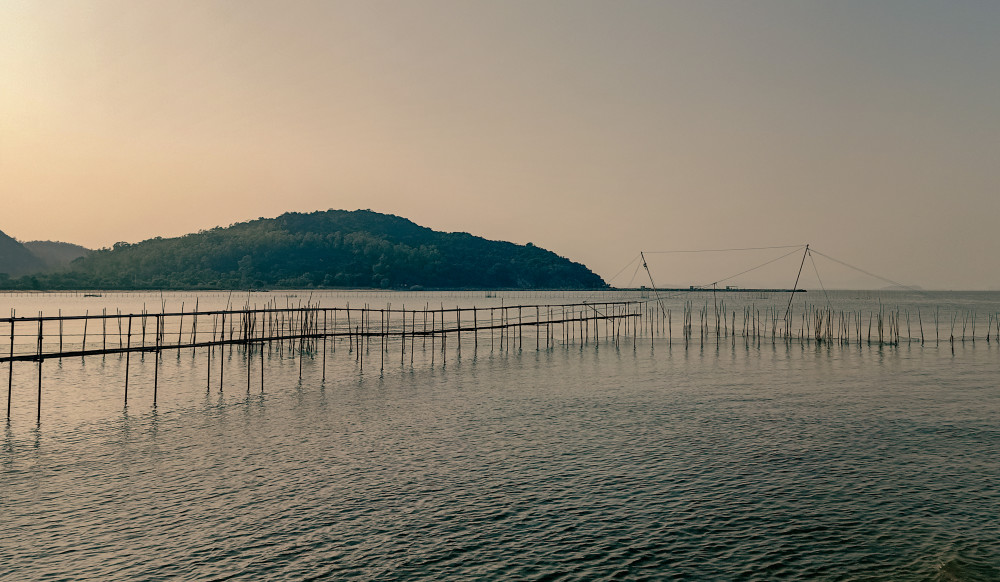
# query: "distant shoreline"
{"type": "Point", "coordinates": [433, 290]}
{"type": "Point", "coordinates": [709, 289]}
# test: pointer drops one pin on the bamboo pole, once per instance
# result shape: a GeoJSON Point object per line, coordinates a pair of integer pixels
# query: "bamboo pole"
{"type": "Point", "coordinates": [10, 372]}
{"type": "Point", "coordinates": [156, 358]}
{"type": "Point", "coordinates": [86, 320]}
{"type": "Point", "coordinates": [40, 335]}
{"type": "Point", "coordinates": [194, 328]}
{"type": "Point", "coordinates": [128, 354]}
{"type": "Point", "coordinates": [262, 364]}
{"type": "Point", "coordinates": [222, 354]}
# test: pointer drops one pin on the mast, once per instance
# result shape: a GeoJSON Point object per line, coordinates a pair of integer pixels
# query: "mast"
{"type": "Point", "coordinates": [655, 292]}
{"type": "Point", "coordinates": [795, 286]}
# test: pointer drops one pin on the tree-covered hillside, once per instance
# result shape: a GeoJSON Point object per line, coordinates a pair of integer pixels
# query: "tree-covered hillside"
{"type": "Point", "coordinates": [334, 248]}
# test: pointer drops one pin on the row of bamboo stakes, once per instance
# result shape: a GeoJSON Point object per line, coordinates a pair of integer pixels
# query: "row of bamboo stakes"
{"type": "Point", "coordinates": [307, 331]}
{"type": "Point", "coordinates": [825, 324]}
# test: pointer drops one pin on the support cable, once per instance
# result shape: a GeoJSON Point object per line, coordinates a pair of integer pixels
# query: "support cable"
{"type": "Point", "coordinates": [706, 286]}
{"type": "Point", "coordinates": [825, 294]}
{"type": "Point", "coordinates": [724, 250]}
{"type": "Point", "coordinates": [860, 270]}
{"type": "Point", "coordinates": [750, 269]}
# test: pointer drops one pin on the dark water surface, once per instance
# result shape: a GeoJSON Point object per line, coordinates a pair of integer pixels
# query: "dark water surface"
{"type": "Point", "coordinates": [737, 462]}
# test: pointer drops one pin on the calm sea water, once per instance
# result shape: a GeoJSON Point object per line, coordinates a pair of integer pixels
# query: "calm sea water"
{"type": "Point", "coordinates": [730, 461]}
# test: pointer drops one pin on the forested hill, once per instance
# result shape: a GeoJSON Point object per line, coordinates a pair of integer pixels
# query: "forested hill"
{"type": "Point", "coordinates": [334, 248]}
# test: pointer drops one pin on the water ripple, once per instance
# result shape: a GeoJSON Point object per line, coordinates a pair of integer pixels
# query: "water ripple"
{"type": "Point", "coordinates": [583, 465]}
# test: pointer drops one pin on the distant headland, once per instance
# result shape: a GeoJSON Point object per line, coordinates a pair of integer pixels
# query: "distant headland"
{"type": "Point", "coordinates": [324, 249]}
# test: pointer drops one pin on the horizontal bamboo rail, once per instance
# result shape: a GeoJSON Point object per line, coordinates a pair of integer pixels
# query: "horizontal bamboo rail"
{"type": "Point", "coordinates": [273, 324]}
{"type": "Point", "coordinates": [307, 329]}
{"type": "Point", "coordinates": [301, 330]}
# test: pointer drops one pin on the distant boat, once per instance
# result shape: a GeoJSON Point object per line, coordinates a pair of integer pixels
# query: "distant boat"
{"type": "Point", "coordinates": [92, 295]}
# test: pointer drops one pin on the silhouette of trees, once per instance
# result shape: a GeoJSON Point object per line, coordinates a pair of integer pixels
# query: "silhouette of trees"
{"type": "Point", "coordinates": [334, 248]}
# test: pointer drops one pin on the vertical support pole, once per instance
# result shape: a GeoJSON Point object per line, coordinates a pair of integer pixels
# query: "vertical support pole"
{"type": "Point", "coordinates": [156, 360]}
{"type": "Point", "coordinates": [40, 323]}
{"type": "Point", "coordinates": [324, 343]}
{"type": "Point", "coordinates": [350, 330]}
{"type": "Point", "coordinates": [520, 330]}
{"type": "Point", "coordinates": [10, 373]}
{"type": "Point", "coordinates": [86, 320]}
{"type": "Point", "coordinates": [222, 359]}
{"type": "Point", "coordinates": [562, 322]}
{"type": "Point", "coordinates": [211, 351]}
{"type": "Point", "coordinates": [248, 348]}
{"type": "Point", "coordinates": [366, 326]}
{"type": "Point", "coordinates": [597, 324]}
{"type": "Point", "coordinates": [194, 329]}
{"type": "Point", "coordinates": [128, 353]}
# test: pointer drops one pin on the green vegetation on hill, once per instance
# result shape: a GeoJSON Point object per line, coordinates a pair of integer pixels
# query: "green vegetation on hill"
{"type": "Point", "coordinates": [334, 248]}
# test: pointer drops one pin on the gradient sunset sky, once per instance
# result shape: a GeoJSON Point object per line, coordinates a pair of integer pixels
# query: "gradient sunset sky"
{"type": "Point", "coordinates": [595, 129]}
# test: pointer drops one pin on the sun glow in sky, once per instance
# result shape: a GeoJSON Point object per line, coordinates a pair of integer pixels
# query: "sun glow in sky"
{"type": "Point", "coordinates": [594, 129]}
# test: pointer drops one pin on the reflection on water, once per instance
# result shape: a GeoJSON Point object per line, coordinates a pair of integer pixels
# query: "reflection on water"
{"type": "Point", "coordinates": [747, 461]}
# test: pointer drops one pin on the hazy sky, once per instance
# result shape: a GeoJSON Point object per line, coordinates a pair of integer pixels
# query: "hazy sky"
{"type": "Point", "coordinates": [595, 129]}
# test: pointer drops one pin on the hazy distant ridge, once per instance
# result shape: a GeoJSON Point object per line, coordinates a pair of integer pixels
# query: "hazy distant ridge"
{"type": "Point", "coordinates": [334, 248]}
{"type": "Point", "coordinates": [16, 259]}
{"type": "Point", "coordinates": [54, 253]}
